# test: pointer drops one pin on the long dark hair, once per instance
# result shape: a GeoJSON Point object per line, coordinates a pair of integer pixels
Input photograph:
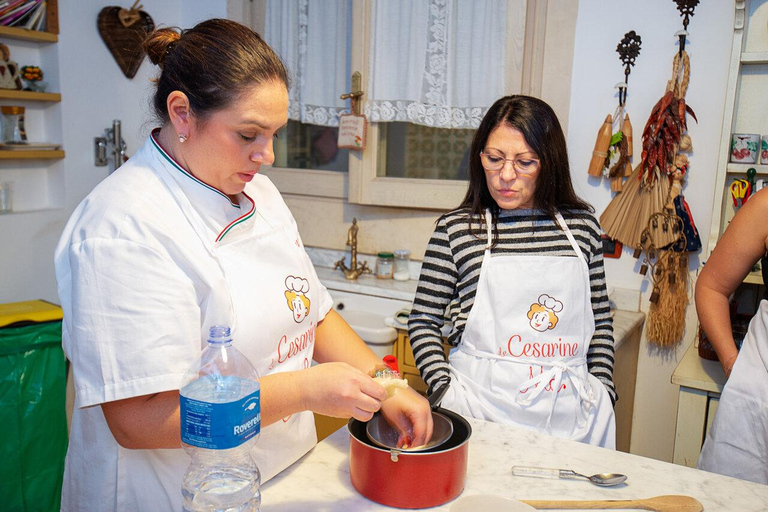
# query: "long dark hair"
{"type": "Point", "coordinates": [539, 125]}
{"type": "Point", "coordinates": [212, 63]}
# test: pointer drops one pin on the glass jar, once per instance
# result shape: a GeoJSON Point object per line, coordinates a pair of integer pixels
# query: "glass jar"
{"type": "Point", "coordinates": [384, 265]}
{"type": "Point", "coordinates": [401, 271]}
{"type": "Point", "coordinates": [13, 125]}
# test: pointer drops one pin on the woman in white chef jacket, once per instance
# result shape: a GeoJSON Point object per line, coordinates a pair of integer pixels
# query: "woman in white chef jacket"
{"type": "Point", "coordinates": [185, 235]}
{"type": "Point", "coordinates": [737, 442]}
{"type": "Point", "coordinates": [517, 268]}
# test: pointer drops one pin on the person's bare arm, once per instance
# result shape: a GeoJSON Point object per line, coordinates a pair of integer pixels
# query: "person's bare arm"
{"type": "Point", "coordinates": [743, 243]}
{"type": "Point", "coordinates": [334, 389]}
{"type": "Point", "coordinates": [338, 388]}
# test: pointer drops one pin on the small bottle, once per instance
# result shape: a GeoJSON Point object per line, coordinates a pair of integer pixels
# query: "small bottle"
{"type": "Point", "coordinates": [402, 259]}
{"type": "Point", "coordinates": [384, 265]}
{"type": "Point", "coordinates": [220, 423]}
{"type": "Point", "coordinates": [13, 125]}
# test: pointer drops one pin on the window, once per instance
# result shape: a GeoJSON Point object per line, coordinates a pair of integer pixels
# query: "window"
{"type": "Point", "coordinates": [405, 164]}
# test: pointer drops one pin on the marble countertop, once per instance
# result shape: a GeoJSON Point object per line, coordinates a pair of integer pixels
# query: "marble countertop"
{"type": "Point", "coordinates": [624, 322]}
{"type": "Point", "coordinates": [320, 480]}
{"type": "Point", "coordinates": [368, 284]}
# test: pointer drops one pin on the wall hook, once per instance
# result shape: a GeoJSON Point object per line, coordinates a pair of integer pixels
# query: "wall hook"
{"type": "Point", "coordinates": [628, 50]}
{"type": "Point", "coordinates": [686, 8]}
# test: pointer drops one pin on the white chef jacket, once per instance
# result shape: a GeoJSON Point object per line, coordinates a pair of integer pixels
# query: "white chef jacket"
{"type": "Point", "coordinates": [136, 284]}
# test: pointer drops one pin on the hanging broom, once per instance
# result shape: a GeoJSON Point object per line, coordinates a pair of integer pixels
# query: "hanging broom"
{"type": "Point", "coordinates": [666, 316]}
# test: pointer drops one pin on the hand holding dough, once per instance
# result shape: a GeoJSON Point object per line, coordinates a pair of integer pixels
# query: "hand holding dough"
{"type": "Point", "coordinates": [391, 383]}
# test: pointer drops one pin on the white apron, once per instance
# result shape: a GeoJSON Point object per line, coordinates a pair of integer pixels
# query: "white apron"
{"type": "Point", "coordinates": [270, 296]}
{"type": "Point", "coordinates": [522, 357]}
{"type": "Point", "coordinates": [737, 443]}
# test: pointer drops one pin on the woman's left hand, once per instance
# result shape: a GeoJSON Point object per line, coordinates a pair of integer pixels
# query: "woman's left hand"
{"type": "Point", "coordinates": [411, 414]}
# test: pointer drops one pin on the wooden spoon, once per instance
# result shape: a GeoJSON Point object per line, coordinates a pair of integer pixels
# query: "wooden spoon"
{"type": "Point", "coordinates": [668, 503]}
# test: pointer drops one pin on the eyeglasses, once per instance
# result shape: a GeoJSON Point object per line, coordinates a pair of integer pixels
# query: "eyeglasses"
{"type": "Point", "coordinates": [524, 166]}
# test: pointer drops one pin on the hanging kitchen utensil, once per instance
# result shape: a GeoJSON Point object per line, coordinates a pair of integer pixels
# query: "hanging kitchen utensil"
{"type": "Point", "coordinates": [667, 503]}
{"type": "Point", "coordinates": [664, 142]}
{"type": "Point", "coordinates": [669, 275]}
{"type": "Point", "coordinates": [123, 31]}
{"type": "Point", "coordinates": [613, 148]}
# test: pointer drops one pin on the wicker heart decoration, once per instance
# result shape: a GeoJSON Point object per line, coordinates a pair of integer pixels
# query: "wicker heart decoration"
{"type": "Point", "coordinates": [124, 42]}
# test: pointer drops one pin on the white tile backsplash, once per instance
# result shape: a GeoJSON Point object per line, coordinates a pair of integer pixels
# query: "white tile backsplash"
{"type": "Point", "coordinates": [328, 257]}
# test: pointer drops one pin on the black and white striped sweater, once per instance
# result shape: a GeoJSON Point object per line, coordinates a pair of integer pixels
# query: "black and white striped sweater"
{"type": "Point", "coordinates": [451, 270]}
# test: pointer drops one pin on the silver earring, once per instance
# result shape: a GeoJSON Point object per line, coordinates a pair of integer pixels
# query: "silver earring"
{"type": "Point", "coordinates": [182, 138]}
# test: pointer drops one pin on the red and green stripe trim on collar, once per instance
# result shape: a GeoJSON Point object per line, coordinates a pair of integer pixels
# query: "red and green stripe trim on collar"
{"type": "Point", "coordinates": [189, 175]}
{"type": "Point", "coordinates": [238, 220]}
{"type": "Point", "coordinates": [186, 173]}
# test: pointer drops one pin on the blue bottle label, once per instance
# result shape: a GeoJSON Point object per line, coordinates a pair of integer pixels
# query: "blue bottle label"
{"type": "Point", "coordinates": [220, 426]}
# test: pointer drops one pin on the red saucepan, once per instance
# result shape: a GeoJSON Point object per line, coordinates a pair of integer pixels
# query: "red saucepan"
{"type": "Point", "coordinates": [410, 479]}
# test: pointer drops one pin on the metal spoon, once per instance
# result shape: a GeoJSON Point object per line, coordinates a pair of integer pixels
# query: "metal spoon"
{"type": "Point", "coordinates": [601, 479]}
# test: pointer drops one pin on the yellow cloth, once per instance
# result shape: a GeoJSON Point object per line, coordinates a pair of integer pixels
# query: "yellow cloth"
{"type": "Point", "coordinates": [31, 310]}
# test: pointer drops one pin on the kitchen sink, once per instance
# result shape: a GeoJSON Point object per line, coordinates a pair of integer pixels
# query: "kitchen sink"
{"type": "Point", "coordinates": [367, 315]}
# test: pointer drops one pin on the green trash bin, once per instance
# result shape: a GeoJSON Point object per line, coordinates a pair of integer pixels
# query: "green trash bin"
{"type": "Point", "coordinates": [32, 407]}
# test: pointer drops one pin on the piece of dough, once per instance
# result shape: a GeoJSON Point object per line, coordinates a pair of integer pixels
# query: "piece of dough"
{"type": "Point", "coordinates": [391, 384]}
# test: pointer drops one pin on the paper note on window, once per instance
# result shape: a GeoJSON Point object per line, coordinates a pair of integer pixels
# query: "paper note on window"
{"type": "Point", "coordinates": [352, 131]}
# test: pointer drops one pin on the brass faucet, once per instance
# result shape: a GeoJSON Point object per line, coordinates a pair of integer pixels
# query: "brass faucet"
{"type": "Point", "coordinates": [355, 270]}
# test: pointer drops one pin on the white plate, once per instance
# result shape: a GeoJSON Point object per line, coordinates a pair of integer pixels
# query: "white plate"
{"type": "Point", "coordinates": [489, 503]}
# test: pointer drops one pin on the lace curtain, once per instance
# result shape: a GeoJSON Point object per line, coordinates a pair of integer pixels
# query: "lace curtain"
{"type": "Point", "coordinates": [313, 39]}
{"type": "Point", "coordinates": [437, 63]}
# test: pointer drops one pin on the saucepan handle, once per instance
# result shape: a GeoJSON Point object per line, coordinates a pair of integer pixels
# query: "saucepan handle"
{"type": "Point", "coordinates": [437, 396]}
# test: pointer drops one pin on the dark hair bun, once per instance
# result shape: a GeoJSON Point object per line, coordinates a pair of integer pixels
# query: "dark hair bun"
{"type": "Point", "coordinates": [159, 43]}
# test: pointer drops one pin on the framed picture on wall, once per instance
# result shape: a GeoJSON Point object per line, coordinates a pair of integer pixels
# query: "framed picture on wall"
{"type": "Point", "coordinates": [611, 248]}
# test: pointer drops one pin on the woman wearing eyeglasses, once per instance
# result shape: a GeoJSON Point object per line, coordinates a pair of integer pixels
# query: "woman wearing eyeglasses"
{"type": "Point", "coordinates": [521, 241]}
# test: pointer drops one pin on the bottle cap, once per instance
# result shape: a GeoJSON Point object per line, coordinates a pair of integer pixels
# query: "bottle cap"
{"type": "Point", "coordinates": [385, 255]}
{"type": "Point", "coordinates": [220, 334]}
{"type": "Point", "coordinates": [6, 110]}
{"type": "Point", "coordinates": [402, 253]}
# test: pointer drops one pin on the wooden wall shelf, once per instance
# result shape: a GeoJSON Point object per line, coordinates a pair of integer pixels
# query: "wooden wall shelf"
{"type": "Point", "coordinates": [28, 35]}
{"type": "Point", "coordinates": [754, 57]}
{"type": "Point", "coordinates": [32, 155]}
{"type": "Point", "coordinates": [743, 168]}
{"type": "Point", "coordinates": [15, 94]}
{"type": "Point", "coordinates": [51, 33]}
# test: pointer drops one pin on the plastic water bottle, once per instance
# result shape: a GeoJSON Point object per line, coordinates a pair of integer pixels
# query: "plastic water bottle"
{"type": "Point", "coordinates": [220, 422]}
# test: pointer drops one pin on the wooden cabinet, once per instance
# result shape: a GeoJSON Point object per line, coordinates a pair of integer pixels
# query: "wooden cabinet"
{"type": "Point", "coordinates": [405, 361]}
{"type": "Point", "coordinates": [701, 381]}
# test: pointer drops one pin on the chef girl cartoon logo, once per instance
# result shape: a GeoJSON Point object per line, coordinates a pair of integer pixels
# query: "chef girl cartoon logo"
{"type": "Point", "coordinates": [543, 315]}
{"type": "Point", "coordinates": [296, 295]}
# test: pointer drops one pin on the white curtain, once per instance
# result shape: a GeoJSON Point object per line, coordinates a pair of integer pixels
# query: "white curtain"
{"type": "Point", "coordinates": [437, 63]}
{"type": "Point", "coordinates": [313, 39]}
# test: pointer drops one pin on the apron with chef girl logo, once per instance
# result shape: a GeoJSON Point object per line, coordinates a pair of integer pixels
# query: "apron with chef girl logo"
{"type": "Point", "coordinates": [737, 444]}
{"type": "Point", "coordinates": [262, 262]}
{"type": "Point", "coordinates": [263, 269]}
{"type": "Point", "coordinates": [522, 356]}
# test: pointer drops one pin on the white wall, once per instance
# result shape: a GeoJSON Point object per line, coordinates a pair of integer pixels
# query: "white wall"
{"type": "Point", "coordinates": [596, 68]}
{"type": "Point", "coordinates": [94, 92]}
